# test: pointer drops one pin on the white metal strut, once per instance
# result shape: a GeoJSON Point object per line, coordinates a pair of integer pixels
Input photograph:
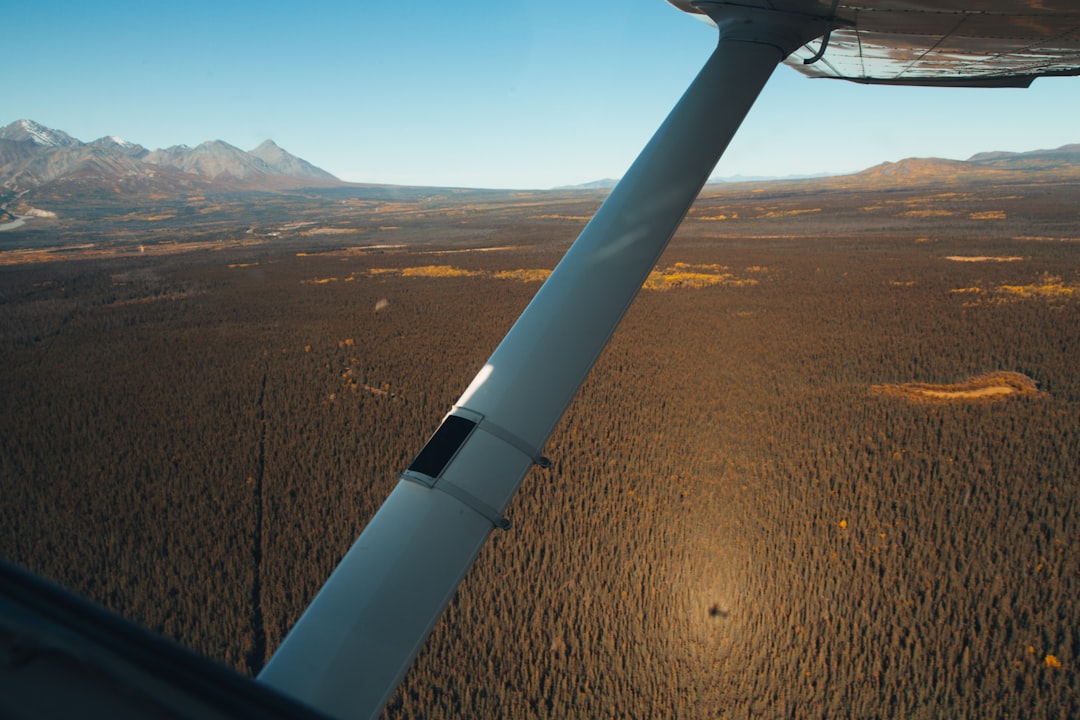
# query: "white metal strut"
{"type": "Point", "coordinates": [349, 650]}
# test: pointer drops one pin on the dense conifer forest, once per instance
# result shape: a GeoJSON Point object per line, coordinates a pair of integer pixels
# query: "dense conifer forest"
{"type": "Point", "coordinates": [750, 513]}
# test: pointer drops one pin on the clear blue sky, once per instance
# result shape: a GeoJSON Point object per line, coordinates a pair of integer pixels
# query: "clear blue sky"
{"type": "Point", "coordinates": [486, 93]}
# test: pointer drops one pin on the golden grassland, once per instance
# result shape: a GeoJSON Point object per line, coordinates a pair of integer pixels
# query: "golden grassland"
{"type": "Point", "coordinates": [789, 212]}
{"type": "Point", "coordinates": [92, 251]}
{"type": "Point", "coordinates": [689, 275]}
{"type": "Point", "coordinates": [534, 275]}
{"type": "Point", "coordinates": [680, 275]}
{"type": "Point", "coordinates": [438, 271]}
{"type": "Point", "coordinates": [928, 213]}
{"type": "Point", "coordinates": [1047, 288]}
{"type": "Point", "coordinates": [717, 217]}
{"type": "Point", "coordinates": [1050, 288]}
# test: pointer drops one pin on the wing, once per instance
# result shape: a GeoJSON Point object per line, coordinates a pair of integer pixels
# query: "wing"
{"type": "Point", "coordinates": [957, 43]}
{"type": "Point", "coordinates": [65, 657]}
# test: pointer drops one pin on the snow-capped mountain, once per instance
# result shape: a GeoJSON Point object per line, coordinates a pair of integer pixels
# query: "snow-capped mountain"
{"type": "Point", "coordinates": [32, 155]}
{"type": "Point", "coordinates": [115, 144]}
{"type": "Point", "coordinates": [32, 132]}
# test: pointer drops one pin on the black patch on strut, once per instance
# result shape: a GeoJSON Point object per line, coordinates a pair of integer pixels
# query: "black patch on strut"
{"type": "Point", "coordinates": [443, 446]}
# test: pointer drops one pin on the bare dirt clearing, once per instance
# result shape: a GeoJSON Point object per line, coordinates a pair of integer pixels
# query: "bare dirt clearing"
{"type": "Point", "coordinates": [983, 258]}
{"type": "Point", "coordinates": [992, 386]}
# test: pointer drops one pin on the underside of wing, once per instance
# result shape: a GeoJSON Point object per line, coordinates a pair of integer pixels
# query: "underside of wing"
{"type": "Point", "coordinates": [955, 43]}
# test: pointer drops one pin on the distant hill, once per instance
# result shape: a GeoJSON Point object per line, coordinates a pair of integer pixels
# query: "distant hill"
{"type": "Point", "coordinates": [602, 184]}
{"type": "Point", "coordinates": [721, 180]}
{"type": "Point", "coordinates": [1064, 157]}
{"type": "Point", "coordinates": [608, 183]}
{"type": "Point", "coordinates": [32, 156]}
{"type": "Point", "coordinates": [1060, 162]}
{"type": "Point", "coordinates": [916, 169]}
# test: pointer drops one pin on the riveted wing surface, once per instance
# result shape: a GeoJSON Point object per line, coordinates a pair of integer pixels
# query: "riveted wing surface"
{"type": "Point", "coordinates": [972, 43]}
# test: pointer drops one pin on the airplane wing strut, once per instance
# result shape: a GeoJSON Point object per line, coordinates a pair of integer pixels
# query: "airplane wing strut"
{"type": "Point", "coordinates": [351, 647]}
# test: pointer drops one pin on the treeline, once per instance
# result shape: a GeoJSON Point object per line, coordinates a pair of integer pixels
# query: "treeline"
{"type": "Point", "coordinates": [735, 525]}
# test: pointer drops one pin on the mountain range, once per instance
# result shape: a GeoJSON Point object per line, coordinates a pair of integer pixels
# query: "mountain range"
{"type": "Point", "coordinates": [56, 165]}
{"type": "Point", "coordinates": [33, 156]}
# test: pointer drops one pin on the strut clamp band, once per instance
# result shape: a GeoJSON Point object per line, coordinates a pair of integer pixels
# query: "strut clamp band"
{"type": "Point", "coordinates": [462, 495]}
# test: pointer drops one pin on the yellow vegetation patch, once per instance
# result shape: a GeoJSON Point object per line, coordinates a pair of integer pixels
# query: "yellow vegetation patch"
{"type": "Point", "coordinates": [1049, 289]}
{"type": "Point", "coordinates": [789, 213]}
{"type": "Point", "coordinates": [438, 271]}
{"type": "Point", "coordinates": [984, 258]}
{"type": "Point", "coordinates": [1046, 238]}
{"type": "Point", "coordinates": [927, 213]}
{"type": "Point", "coordinates": [523, 275]}
{"type": "Point", "coordinates": [327, 280]}
{"type": "Point", "coordinates": [582, 218]}
{"type": "Point", "coordinates": [685, 275]}
{"type": "Point", "coordinates": [90, 251]}
{"type": "Point", "coordinates": [497, 248]}
{"type": "Point", "coordinates": [181, 295]}
{"type": "Point", "coordinates": [445, 271]}
{"type": "Point", "coordinates": [988, 215]}
{"type": "Point", "coordinates": [679, 275]}
{"type": "Point", "coordinates": [992, 386]}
